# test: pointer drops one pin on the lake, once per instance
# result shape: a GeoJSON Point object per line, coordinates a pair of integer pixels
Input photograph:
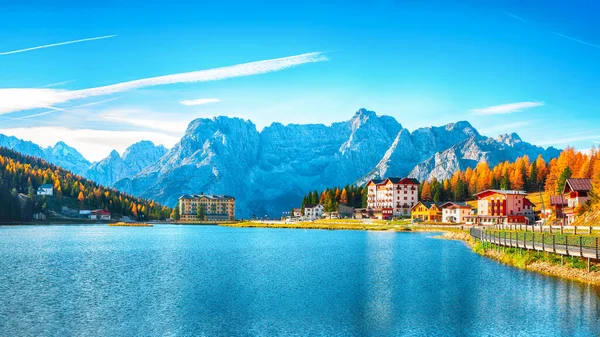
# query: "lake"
{"type": "Point", "coordinates": [220, 281]}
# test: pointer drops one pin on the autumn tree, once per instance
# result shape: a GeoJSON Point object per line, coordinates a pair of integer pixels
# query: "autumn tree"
{"type": "Point", "coordinates": [426, 191]}
{"type": "Point", "coordinates": [344, 197]}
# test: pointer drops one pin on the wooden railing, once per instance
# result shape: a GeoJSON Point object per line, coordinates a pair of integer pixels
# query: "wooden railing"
{"type": "Point", "coordinates": [562, 244]}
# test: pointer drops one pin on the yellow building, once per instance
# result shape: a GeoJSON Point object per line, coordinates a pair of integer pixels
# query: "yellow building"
{"type": "Point", "coordinates": [426, 211]}
{"type": "Point", "coordinates": [214, 207]}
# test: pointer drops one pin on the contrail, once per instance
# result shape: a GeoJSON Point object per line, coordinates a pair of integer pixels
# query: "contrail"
{"type": "Point", "coordinates": [578, 40]}
{"type": "Point", "coordinates": [215, 74]}
{"type": "Point", "coordinates": [18, 99]}
{"type": "Point", "coordinates": [56, 44]}
{"type": "Point", "coordinates": [54, 109]}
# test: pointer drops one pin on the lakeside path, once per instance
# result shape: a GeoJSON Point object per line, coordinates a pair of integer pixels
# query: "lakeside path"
{"type": "Point", "coordinates": [571, 268]}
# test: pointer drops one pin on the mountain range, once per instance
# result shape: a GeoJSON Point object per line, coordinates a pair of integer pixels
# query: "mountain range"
{"type": "Point", "coordinates": [269, 171]}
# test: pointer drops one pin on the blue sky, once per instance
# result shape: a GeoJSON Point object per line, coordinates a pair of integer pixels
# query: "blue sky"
{"type": "Point", "coordinates": [504, 66]}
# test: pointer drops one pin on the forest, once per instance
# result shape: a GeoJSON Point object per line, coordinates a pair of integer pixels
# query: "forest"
{"type": "Point", "coordinates": [523, 174]}
{"type": "Point", "coordinates": [20, 177]}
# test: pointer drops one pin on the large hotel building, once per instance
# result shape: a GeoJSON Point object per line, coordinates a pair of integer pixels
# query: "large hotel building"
{"type": "Point", "coordinates": [215, 207]}
{"type": "Point", "coordinates": [392, 197]}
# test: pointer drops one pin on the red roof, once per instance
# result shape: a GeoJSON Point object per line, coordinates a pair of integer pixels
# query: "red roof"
{"type": "Point", "coordinates": [578, 185]}
{"type": "Point", "coordinates": [396, 180]}
{"type": "Point", "coordinates": [557, 200]}
{"type": "Point", "coordinates": [505, 192]}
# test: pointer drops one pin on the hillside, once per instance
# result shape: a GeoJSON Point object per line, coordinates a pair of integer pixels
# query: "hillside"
{"type": "Point", "coordinates": [269, 171]}
{"type": "Point", "coordinates": [21, 175]}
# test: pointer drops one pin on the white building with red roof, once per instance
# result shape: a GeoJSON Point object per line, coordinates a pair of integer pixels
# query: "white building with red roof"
{"type": "Point", "coordinates": [391, 197]}
{"type": "Point", "coordinates": [502, 207]}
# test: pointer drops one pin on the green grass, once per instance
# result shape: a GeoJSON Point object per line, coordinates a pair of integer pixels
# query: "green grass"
{"type": "Point", "coordinates": [346, 224]}
{"type": "Point", "coordinates": [521, 258]}
{"type": "Point", "coordinates": [588, 241]}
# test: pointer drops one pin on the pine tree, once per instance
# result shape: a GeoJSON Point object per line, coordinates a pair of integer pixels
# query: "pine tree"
{"type": "Point", "coordinates": [437, 196]}
{"type": "Point", "coordinates": [200, 213]}
{"type": "Point", "coordinates": [562, 179]}
{"type": "Point", "coordinates": [315, 198]}
{"type": "Point", "coordinates": [505, 183]}
{"type": "Point", "coordinates": [532, 178]}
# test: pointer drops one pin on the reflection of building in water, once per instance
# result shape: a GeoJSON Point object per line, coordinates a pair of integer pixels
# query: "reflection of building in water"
{"type": "Point", "coordinates": [380, 278]}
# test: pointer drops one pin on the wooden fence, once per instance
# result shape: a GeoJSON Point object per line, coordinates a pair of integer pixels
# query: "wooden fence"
{"type": "Point", "coordinates": [563, 244]}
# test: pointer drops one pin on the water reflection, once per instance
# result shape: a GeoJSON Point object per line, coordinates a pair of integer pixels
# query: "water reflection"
{"type": "Point", "coordinates": [188, 280]}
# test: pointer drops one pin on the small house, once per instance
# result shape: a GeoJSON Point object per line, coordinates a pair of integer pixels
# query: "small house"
{"type": "Point", "coordinates": [455, 212]}
{"type": "Point", "coordinates": [345, 211]}
{"type": "Point", "coordinates": [312, 211]}
{"type": "Point", "coordinates": [426, 211]}
{"type": "Point", "coordinates": [45, 189]}
{"type": "Point", "coordinates": [558, 203]}
{"type": "Point", "coordinates": [576, 193]}
{"type": "Point", "coordinates": [100, 214]}
{"type": "Point", "coordinates": [296, 212]}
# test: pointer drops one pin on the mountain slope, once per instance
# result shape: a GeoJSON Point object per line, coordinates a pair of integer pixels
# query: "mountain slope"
{"type": "Point", "coordinates": [61, 154]}
{"type": "Point", "coordinates": [115, 167]}
{"type": "Point", "coordinates": [269, 171]}
{"type": "Point", "coordinates": [478, 149]}
{"type": "Point", "coordinates": [21, 175]}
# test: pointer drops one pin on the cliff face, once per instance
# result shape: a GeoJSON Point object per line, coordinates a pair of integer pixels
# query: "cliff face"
{"type": "Point", "coordinates": [269, 171]}
{"type": "Point", "coordinates": [115, 167]}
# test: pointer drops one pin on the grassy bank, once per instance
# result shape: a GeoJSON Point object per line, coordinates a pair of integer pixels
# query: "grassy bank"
{"type": "Point", "coordinates": [322, 224]}
{"type": "Point", "coordinates": [129, 224]}
{"type": "Point", "coordinates": [568, 267]}
{"type": "Point", "coordinates": [339, 224]}
{"type": "Point", "coordinates": [587, 240]}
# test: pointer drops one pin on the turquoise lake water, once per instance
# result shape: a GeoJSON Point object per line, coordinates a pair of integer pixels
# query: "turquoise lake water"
{"type": "Point", "coordinates": [219, 281]}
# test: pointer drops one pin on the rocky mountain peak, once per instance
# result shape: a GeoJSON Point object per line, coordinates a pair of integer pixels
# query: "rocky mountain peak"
{"type": "Point", "coordinates": [269, 171]}
{"type": "Point", "coordinates": [509, 139]}
{"type": "Point", "coordinates": [114, 154]}
{"type": "Point", "coordinates": [463, 127]}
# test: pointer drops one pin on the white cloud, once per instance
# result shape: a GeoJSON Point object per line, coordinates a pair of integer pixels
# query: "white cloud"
{"type": "Point", "coordinates": [12, 100]}
{"type": "Point", "coordinates": [23, 99]}
{"type": "Point", "coordinates": [56, 44]}
{"type": "Point", "coordinates": [95, 145]}
{"type": "Point", "coordinates": [567, 140]}
{"type": "Point", "coordinates": [199, 101]}
{"type": "Point", "coordinates": [506, 108]}
{"type": "Point", "coordinates": [139, 118]}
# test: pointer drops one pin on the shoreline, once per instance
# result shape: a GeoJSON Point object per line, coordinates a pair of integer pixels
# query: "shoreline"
{"type": "Point", "coordinates": [527, 261]}
{"type": "Point", "coordinates": [513, 259]}
{"type": "Point", "coordinates": [546, 264]}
